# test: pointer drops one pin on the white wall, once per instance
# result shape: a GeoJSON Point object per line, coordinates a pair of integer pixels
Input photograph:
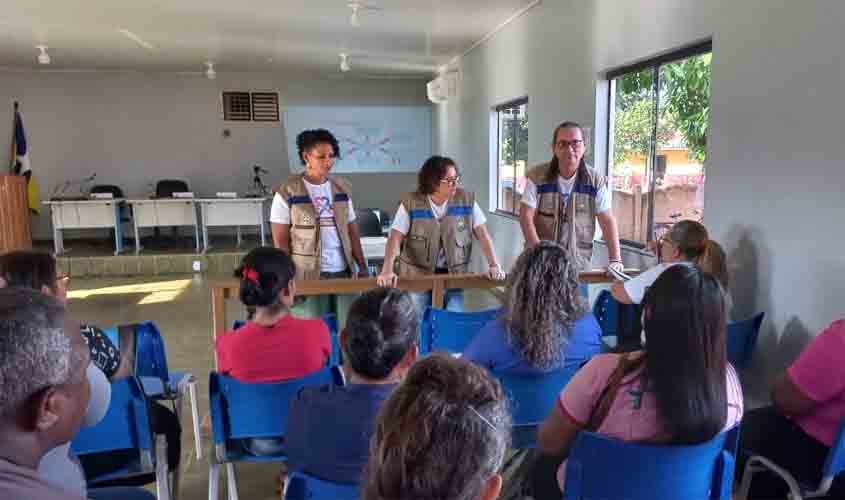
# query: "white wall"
{"type": "Point", "coordinates": [135, 128]}
{"type": "Point", "coordinates": [775, 176]}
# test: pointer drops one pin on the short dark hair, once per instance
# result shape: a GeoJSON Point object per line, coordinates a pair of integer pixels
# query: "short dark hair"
{"type": "Point", "coordinates": [273, 270]}
{"type": "Point", "coordinates": [28, 268]}
{"type": "Point", "coordinates": [380, 329]}
{"type": "Point", "coordinates": [442, 433]}
{"type": "Point", "coordinates": [307, 139]}
{"type": "Point", "coordinates": [432, 172]}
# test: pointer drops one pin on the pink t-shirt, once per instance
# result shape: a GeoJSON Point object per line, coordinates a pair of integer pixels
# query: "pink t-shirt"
{"type": "Point", "coordinates": [819, 372]}
{"type": "Point", "coordinates": [633, 415]}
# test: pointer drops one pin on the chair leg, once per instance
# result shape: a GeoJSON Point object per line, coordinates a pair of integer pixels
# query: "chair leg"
{"type": "Point", "coordinates": [192, 392]}
{"type": "Point", "coordinates": [162, 481]}
{"type": "Point", "coordinates": [232, 482]}
{"type": "Point", "coordinates": [175, 478]}
{"type": "Point", "coordinates": [213, 480]}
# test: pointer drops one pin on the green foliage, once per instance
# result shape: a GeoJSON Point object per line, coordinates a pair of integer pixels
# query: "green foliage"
{"type": "Point", "coordinates": [519, 151]}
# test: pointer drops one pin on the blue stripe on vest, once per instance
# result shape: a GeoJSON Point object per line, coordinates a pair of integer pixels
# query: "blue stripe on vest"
{"type": "Point", "coordinates": [459, 211]}
{"type": "Point", "coordinates": [547, 188]}
{"type": "Point", "coordinates": [298, 199]}
{"type": "Point", "coordinates": [422, 213]}
{"type": "Point", "coordinates": [585, 189]}
{"type": "Point", "coordinates": [341, 197]}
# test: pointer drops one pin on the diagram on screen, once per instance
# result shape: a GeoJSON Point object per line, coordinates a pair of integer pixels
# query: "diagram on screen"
{"type": "Point", "coordinates": [368, 146]}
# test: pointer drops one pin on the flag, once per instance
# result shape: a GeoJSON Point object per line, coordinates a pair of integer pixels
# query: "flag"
{"type": "Point", "coordinates": [20, 162]}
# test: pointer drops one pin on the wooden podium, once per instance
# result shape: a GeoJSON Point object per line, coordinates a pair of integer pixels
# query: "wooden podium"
{"type": "Point", "coordinates": [15, 222]}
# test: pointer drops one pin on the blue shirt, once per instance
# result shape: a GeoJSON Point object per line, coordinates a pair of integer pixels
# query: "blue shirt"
{"type": "Point", "coordinates": [490, 348]}
{"type": "Point", "coordinates": [328, 430]}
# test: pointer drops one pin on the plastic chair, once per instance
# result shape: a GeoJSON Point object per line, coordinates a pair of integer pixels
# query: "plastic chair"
{"type": "Point", "coordinates": [242, 411]}
{"type": "Point", "coordinates": [160, 383]}
{"type": "Point", "coordinates": [369, 222]}
{"type": "Point", "coordinates": [617, 321]}
{"type": "Point", "coordinates": [532, 398]}
{"type": "Point", "coordinates": [742, 337]}
{"type": "Point", "coordinates": [330, 320]}
{"type": "Point", "coordinates": [833, 466]}
{"type": "Point", "coordinates": [166, 187]}
{"type": "Point", "coordinates": [126, 426]}
{"type": "Point", "coordinates": [304, 487]}
{"type": "Point", "coordinates": [451, 331]}
{"type": "Point", "coordinates": [650, 472]}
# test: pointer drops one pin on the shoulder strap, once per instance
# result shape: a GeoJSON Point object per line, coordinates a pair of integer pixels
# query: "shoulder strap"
{"type": "Point", "coordinates": [624, 367]}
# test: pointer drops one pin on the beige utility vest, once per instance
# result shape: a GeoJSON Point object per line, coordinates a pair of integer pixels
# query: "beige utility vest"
{"type": "Point", "coordinates": [305, 224]}
{"type": "Point", "coordinates": [426, 235]}
{"type": "Point", "coordinates": [571, 223]}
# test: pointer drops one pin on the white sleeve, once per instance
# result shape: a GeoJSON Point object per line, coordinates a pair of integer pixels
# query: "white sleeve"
{"type": "Point", "coordinates": [603, 201]}
{"type": "Point", "coordinates": [98, 405]}
{"type": "Point", "coordinates": [401, 221]}
{"type": "Point", "coordinates": [478, 217]}
{"type": "Point", "coordinates": [279, 210]}
{"type": "Point", "coordinates": [637, 286]}
{"type": "Point", "coordinates": [529, 196]}
{"type": "Point", "coordinates": [352, 216]}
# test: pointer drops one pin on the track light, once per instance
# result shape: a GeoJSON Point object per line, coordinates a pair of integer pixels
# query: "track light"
{"type": "Point", "coordinates": [344, 62]}
{"type": "Point", "coordinates": [43, 57]}
{"type": "Point", "coordinates": [353, 19]}
{"type": "Point", "coordinates": [209, 70]}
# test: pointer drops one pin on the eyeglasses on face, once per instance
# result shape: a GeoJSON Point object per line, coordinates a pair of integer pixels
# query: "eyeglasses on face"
{"type": "Point", "coordinates": [564, 144]}
{"type": "Point", "coordinates": [452, 181]}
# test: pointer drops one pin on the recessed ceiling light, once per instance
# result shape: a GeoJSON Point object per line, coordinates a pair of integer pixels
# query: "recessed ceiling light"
{"type": "Point", "coordinates": [43, 57]}
{"type": "Point", "coordinates": [209, 70]}
{"type": "Point", "coordinates": [344, 62]}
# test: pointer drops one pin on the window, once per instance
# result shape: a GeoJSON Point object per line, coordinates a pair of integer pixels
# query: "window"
{"type": "Point", "coordinates": [254, 106]}
{"type": "Point", "coordinates": [512, 154]}
{"type": "Point", "coordinates": [659, 117]}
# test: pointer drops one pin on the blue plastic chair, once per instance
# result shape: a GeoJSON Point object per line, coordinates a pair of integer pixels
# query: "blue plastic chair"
{"type": "Point", "coordinates": [451, 331]}
{"type": "Point", "coordinates": [742, 338]}
{"type": "Point", "coordinates": [615, 320]}
{"type": "Point", "coordinates": [242, 411]}
{"type": "Point", "coordinates": [650, 472]}
{"type": "Point", "coordinates": [532, 398]}
{"type": "Point", "coordinates": [833, 466]}
{"type": "Point", "coordinates": [304, 487]}
{"type": "Point", "coordinates": [330, 320]}
{"type": "Point", "coordinates": [158, 381]}
{"type": "Point", "coordinates": [126, 426]}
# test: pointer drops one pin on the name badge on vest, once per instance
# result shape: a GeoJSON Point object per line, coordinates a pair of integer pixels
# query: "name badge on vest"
{"type": "Point", "coordinates": [307, 220]}
{"type": "Point", "coordinates": [462, 224]}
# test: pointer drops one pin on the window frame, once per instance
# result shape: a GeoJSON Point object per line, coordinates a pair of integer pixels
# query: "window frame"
{"type": "Point", "coordinates": [497, 110]}
{"type": "Point", "coordinates": [654, 64]}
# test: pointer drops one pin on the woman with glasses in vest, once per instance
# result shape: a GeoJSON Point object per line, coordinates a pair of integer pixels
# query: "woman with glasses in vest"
{"type": "Point", "coordinates": [565, 197]}
{"type": "Point", "coordinates": [432, 232]}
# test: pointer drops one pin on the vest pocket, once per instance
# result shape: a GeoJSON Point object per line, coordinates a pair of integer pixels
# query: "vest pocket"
{"type": "Point", "coordinates": [303, 240]}
{"type": "Point", "coordinates": [416, 248]}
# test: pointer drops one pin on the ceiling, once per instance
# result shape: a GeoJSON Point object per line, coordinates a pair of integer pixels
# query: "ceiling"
{"type": "Point", "coordinates": [408, 38]}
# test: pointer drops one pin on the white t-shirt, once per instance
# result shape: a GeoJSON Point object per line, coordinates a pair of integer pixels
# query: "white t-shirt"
{"type": "Point", "coordinates": [529, 196]}
{"type": "Point", "coordinates": [402, 223]}
{"type": "Point", "coordinates": [332, 259]}
{"type": "Point", "coordinates": [637, 286]}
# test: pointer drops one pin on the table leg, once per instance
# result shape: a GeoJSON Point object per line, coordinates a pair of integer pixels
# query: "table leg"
{"type": "Point", "coordinates": [137, 236]}
{"type": "Point", "coordinates": [118, 231]}
{"type": "Point", "coordinates": [239, 236]}
{"type": "Point", "coordinates": [204, 229]}
{"type": "Point", "coordinates": [261, 224]}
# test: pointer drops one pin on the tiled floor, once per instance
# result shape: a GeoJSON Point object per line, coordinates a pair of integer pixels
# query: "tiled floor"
{"type": "Point", "coordinates": [181, 306]}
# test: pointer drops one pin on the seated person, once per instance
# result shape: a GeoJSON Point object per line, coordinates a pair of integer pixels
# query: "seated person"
{"type": "Point", "coordinates": [379, 345]}
{"type": "Point", "coordinates": [274, 345]}
{"type": "Point", "coordinates": [442, 434]}
{"type": "Point", "coordinates": [44, 409]}
{"type": "Point", "coordinates": [37, 271]}
{"type": "Point", "coordinates": [679, 390]}
{"type": "Point", "coordinates": [809, 405]}
{"type": "Point", "coordinates": [545, 323]}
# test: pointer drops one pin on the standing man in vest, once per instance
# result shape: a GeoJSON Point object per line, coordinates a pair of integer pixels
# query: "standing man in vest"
{"type": "Point", "coordinates": [564, 198]}
{"type": "Point", "coordinates": [434, 227]}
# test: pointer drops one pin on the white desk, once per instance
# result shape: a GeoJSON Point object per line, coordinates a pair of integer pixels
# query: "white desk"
{"type": "Point", "coordinates": [237, 212]}
{"type": "Point", "coordinates": [85, 214]}
{"type": "Point", "coordinates": [159, 212]}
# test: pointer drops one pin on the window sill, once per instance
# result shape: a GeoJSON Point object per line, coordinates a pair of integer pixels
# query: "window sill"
{"type": "Point", "coordinates": [630, 247]}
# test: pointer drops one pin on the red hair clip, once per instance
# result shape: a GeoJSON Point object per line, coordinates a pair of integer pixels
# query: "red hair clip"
{"type": "Point", "coordinates": [250, 274]}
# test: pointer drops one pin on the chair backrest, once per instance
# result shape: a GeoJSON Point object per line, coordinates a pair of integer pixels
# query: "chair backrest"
{"type": "Point", "coordinates": [166, 187]}
{"type": "Point", "coordinates": [330, 320]}
{"type": "Point", "coordinates": [304, 487]}
{"type": "Point", "coordinates": [615, 319]}
{"type": "Point", "coordinates": [369, 223]}
{"type": "Point", "coordinates": [108, 188]}
{"type": "Point", "coordinates": [449, 330]}
{"type": "Point", "coordinates": [260, 410]}
{"type": "Point", "coordinates": [126, 425]}
{"type": "Point", "coordinates": [742, 338]}
{"type": "Point", "coordinates": [835, 462]}
{"type": "Point", "coordinates": [653, 472]}
{"type": "Point", "coordinates": [532, 397]}
{"type": "Point", "coordinates": [150, 354]}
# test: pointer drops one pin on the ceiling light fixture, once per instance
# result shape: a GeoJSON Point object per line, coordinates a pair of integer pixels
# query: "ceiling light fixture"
{"type": "Point", "coordinates": [43, 57]}
{"type": "Point", "coordinates": [344, 62]}
{"type": "Point", "coordinates": [209, 70]}
{"type": "Point", "coordinates": [354, 19]}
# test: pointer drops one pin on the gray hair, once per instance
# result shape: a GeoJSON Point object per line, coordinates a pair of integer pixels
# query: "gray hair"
{"type": "Point", "coordinates": [35, 352]}
{"type": "Point", "coordinates": [542, 303]}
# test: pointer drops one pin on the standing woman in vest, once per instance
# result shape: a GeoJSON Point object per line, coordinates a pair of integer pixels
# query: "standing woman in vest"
{"type": "Point", "coordinates": [432, 232]}
{"type": "Point", "coordinates": [312, 216]}
{"type": "Point", "coordinates": [564, 198]}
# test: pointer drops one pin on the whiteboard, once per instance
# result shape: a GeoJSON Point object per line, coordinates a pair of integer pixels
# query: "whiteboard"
{"type": "Point", "coordinates": [372, 138]}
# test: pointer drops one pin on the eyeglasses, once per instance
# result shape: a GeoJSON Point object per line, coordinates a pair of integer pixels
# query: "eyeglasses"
{"type": "Point", "coordinates": [452, 181]}
{"type": "Point", "coordinates": [563, 144]}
